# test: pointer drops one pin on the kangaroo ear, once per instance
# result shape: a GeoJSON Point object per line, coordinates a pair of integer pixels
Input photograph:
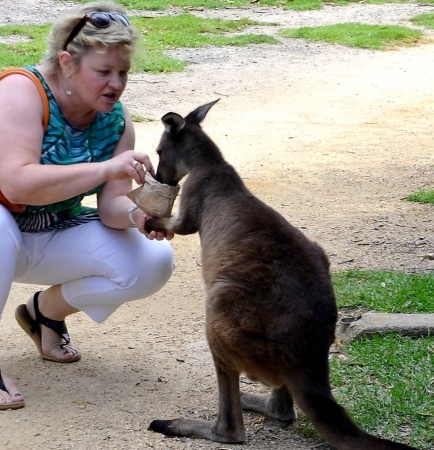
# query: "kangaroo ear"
{"type": "Point", "coordinates": [199, 114]}
{"type": "Point", "coordinates": [173, 123]}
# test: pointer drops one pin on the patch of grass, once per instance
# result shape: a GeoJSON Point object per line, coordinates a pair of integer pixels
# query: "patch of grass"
{"type": "Point", "coordinates": [422, 197]}
{"type": "Point", "coordinates": [155, 61]}
{"type": "Point", "coordinates": [159, 34]}
{"type": "Point", "coordinates": [376, 37]}
{"type": "Point", "coordinates": [385, 291]}
{"type": "Point", "coordinates": [424, 20]}
{"type": "Point", "coordinates": [387, 384]}
{"type": "Point", "coordinates": [29, 50]}
{"type": "Point", "coordinates": [137, 118]}
{"type": "Point", "coordinates": [187, 31]}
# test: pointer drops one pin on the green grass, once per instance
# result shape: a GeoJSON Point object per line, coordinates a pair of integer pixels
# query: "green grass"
{"type": "Point", "coordinates": [376, 37]}
{"type": "Point", "coordinates": [387, 382]}
{"type": "Point", "coordinates": [385, 291]}
{"type": "Point", "coordinates": [421, 196]}
{"type": "Point", "coordinates": [189, 31]}
{"type": "Point", "coordinates": [159, 34]}
{"type": "Point", "coordinates": [137, 118]}
{"type": "Point", "coordinates": [424, 20]}
{"type": "Point", "coordinates": [23, 52]}
{"type": "Point", "coordinates": [388, 385]}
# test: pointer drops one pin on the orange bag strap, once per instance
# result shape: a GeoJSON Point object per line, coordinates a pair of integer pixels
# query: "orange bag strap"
{"type": "Point", "coordinates": [38, 84]}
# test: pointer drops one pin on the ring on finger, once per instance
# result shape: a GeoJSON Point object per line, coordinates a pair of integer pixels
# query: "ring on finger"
{"type": "Point", "coordinates": [135, 163]}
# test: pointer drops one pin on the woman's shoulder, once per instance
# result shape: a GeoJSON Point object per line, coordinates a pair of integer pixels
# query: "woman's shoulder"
{"type": "Point", "coordinates": [17, 78]}
{"type": "Point", "coordinates": [20, 94]}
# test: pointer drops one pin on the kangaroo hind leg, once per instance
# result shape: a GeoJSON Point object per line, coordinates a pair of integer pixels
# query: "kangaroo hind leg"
{"type": "Point", "coordinates": [229, 427]}
{"type": "Point", "coordinates": [279, 405]}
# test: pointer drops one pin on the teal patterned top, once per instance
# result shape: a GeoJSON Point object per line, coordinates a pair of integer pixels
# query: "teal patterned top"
{"type": "Point", "coordinates": [63, 144]}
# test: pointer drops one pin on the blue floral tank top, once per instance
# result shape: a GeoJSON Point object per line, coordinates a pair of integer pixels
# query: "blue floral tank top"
{"type": "Point", "coordinates": [63, 144]}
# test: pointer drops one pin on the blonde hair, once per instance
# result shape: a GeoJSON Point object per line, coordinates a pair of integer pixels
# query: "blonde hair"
{"type": "Point", "coordinates": [116, 35]}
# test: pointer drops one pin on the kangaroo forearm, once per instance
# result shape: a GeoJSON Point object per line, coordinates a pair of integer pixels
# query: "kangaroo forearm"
{"type": "Point", "coordinates": [172, 225]}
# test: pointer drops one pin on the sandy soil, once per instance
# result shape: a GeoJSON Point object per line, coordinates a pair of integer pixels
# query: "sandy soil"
{"type": "Point", "coordinates": [333, 138]}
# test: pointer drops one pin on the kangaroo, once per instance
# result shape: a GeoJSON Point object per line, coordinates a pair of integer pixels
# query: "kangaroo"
{"type": "Point", "coordinates": [270, 306]}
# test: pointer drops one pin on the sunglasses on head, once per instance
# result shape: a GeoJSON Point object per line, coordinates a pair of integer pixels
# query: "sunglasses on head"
{"type": "Point", "coordinates": [99, 20]}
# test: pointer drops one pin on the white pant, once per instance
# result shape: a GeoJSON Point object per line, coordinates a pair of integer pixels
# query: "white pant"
{"type": "Point", "coordinates": [98, 268]}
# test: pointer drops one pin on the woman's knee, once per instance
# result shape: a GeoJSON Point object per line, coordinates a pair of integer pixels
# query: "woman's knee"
{"type": "Point", "coordinates": [153, 268]}
{"type": "Point", "coordinates": [141, 270]}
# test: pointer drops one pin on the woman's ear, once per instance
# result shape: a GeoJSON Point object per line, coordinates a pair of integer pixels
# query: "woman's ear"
{"type": "Point", "coordinates": [66, 63]}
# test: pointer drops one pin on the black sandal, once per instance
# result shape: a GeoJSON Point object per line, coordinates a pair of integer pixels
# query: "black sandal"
{"type": "Point", "coordinates": [6, 406]}
{"type": "Point", "coordinates": [33, 329]}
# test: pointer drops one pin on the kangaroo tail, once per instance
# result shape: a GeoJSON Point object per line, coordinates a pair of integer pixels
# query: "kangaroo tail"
{"type": "Point", "coordinates": [331, 420]}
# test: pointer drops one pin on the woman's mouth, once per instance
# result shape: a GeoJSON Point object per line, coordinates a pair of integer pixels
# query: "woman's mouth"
{"type": "Point", "coordinates": [110, 96]}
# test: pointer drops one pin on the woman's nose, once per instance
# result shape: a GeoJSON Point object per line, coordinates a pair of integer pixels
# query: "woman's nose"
{"type": "Point", "coordinates": [116, 81]}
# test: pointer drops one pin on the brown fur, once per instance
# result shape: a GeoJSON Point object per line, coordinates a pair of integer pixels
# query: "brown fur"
{"type": "Point", "coordinates": [270, 308]}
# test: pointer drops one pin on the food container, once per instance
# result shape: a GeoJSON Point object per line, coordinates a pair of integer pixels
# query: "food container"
{"type": "Point", "coordinates": [154, 198]}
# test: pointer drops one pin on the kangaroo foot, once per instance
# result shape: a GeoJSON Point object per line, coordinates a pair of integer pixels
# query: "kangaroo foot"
{"type": "Point", "coordinates": [195, 429]}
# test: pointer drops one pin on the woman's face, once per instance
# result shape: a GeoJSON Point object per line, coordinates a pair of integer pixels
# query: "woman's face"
{"type": "Point", "coordinates": [101, 78]}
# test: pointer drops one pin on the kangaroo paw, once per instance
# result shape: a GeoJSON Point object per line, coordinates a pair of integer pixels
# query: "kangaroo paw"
{"type": "Point", "coordinates": [150, 225]}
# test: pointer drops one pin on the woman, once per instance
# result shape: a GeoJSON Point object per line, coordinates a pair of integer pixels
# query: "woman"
{"type": "Point", "coordinates": [93, 260]}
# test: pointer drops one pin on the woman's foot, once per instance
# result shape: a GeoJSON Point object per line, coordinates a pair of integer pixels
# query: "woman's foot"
{"type": "Point", "coordinates": [53, 345]}
{"type": "Point", "coordinates": [10, 395]}
{"type": "Point", "coordinates": [50, 335]}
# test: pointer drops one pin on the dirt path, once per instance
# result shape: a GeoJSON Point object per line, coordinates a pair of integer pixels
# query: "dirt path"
{"type": "Point", "coordinates": [333, 138]}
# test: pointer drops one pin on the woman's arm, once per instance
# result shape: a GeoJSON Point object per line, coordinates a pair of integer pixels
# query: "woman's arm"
{"type": "Point", "coordinates": [23, 179]}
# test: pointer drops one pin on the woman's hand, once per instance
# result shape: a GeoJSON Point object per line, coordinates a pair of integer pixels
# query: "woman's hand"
{"type": "Point", "coordinates": [129, 164]}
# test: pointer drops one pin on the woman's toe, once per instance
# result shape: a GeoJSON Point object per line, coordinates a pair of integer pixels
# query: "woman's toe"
{"type": "Point", "coordinates": [12, 394]}
{"type": "Point", "coordinates": [61, 352]}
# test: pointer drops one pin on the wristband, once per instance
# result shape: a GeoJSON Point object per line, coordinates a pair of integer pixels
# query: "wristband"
{"type": "Point", "coordinates": [130, 214]}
